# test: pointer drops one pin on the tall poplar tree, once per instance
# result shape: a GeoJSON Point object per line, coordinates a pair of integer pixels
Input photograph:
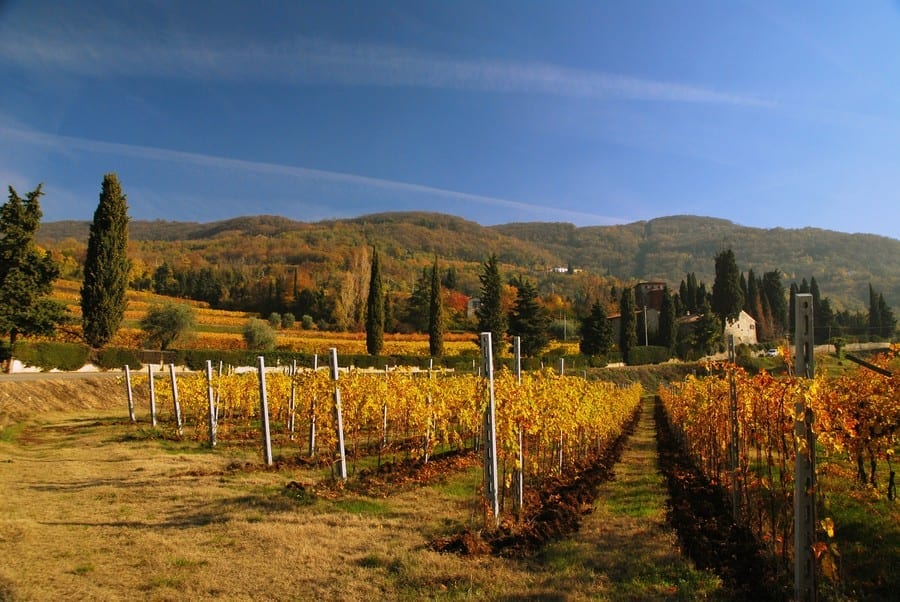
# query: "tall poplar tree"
{"type": "Point", "coordinates": [435, 315]}
{"type": "Point", "coordinates": [106, 266]}
{"type": "Point", "coordinates": [375, 309]}
{"type": "Point", "coordinates": [490, 311]}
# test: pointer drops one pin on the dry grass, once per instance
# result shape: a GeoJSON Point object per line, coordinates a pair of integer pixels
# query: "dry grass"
{"type": "Point", "coordinates": [95, 508]}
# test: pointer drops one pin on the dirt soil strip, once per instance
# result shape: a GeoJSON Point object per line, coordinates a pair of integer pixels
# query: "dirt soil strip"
{"type": "Point", "coordinates": [626, 541]}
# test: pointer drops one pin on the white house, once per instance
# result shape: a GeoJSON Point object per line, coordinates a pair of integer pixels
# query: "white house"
{"type": "Point", "coordinates": [743, 329]}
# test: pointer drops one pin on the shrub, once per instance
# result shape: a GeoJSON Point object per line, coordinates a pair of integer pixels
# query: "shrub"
{"type": "Point", "coordinates": [259, 334]}
{"type": "Point", "coordinates": [275, 319]}
{"type": "Point", "coordinates": [52, 356]}
{"type": "Point", "coordinates": [648, 354]}
{"type": "Point", "coordinates": [116, 357]}
{"type": "Point", "coordinates": [307, 322]}
{"type": "Point", "coordinates": [288, 320]}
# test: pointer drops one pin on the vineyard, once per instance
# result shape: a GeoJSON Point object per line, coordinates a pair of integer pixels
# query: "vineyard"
{"type": "Point", "coordinates": [562, 422]}
{"type": "Point", "coordinates": [855, 422]}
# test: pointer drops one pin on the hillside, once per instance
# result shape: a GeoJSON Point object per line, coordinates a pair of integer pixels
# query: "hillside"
{"type": "Point", "coordinates": [664, 248]}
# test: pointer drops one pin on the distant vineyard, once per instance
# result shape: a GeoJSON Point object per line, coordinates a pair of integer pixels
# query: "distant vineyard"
{"type": "Point", "coordinates": [219, 329]}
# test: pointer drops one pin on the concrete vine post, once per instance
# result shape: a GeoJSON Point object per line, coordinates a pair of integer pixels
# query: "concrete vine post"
{"type": "Point", "coordinates": [152, 395]}
{"type": "Point", "coordinates": [312, 412]}
{"type": "Point", "coordinates": [264, 413]}
{"type": "Point", "coordinates": [519, 472]}
{"type": "Point", "coordinates": [734, 457]}
{"type": "Point", "coordinates": [211, 398]}
{"type": "Point", "coordinates": [292, 405]}
{"type": "Point", "coordinates": [805, 457]}
{"type": "Point", "coordinates": [338, 418]}
{"type": "Point", "coordinates": [491, 490]}
{"type": "Point", "coordinates": [130, 393]}
{"type": "Point", "coordinates": [178, 425]}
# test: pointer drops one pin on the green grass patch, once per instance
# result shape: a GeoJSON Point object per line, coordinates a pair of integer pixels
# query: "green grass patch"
{"type": "Point", "coordinates": [11, 432]}
{"type": "Point", "coordinates": [462, 485]}
{"type": "Point", "coordinates": [83, 569]}
{"type": "Point", "coordinates": [363, 507]}
{"type": "Point", "coordinates": [867, 531]}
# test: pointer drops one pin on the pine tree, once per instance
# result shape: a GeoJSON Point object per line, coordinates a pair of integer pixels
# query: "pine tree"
{"type": "Point", "coordinates": [491, 317]}
{"type": "Point", "coordinates": [874, 312]}
{"type": "Point", "coordinates": [888, 322]}
{"type": "Point", "coordinates": [727, 298]}
{"type": "Point", "coordinates": [596, 331]}
{"type": "Point", "coordinates": [106, 267]}
{"type": "Point", "coordinates": [628, 320]}
{"type": "Point", "coordinates": [375, 309]}
{"type": "Point", "coordinates": [26, 274]}
{"type": "Point", "coordinates": [708, 330]}
{"type": "Point", "coordinates": [436, 315]}
{"type": "Point", "coordinates": [417, 305]}
{"type": "Point", "coordinates": [529, 320]}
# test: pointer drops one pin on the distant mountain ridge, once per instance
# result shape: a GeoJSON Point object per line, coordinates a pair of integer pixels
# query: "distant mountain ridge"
{"type": "Point", "coordinates": [659, 249]}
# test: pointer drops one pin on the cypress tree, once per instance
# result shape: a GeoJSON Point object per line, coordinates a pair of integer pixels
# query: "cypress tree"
{"type": "Point", "coordinates": [727, 298]}
{"type": "Point", "coordinates": [375, 309]}
{"type": "Point", "coordinates": [628, 320]}
{"type": "Point", "coordinates": [435, 315]}
{"type": "Point", "coordinates": [106, 266]}
{"type": "Point", "coordinates": [773, 291]}
{"type": "Point", "coordinates": [490, 311]}
{"type": "Point", "coordinates": [792, 316]}
{"type": "Point", "coordinates": [668, 327]}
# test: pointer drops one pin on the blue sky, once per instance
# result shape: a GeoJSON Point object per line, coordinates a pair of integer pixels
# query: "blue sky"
{"type": "Point", "coordinates": [764, 113]}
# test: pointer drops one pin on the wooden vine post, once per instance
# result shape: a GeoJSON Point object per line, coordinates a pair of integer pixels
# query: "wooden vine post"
{"type": "Point", "coordinates": [130, 393]}
{"type": "Point", "coordinates": [211, 397]}
{"type": "Point", "coordinates": [491, 491]}
{"type": "Point", "coordinates": [152, 395]}
{"type": "Point", "coordinates": [338, 418]}
{"type": "Point", "coordinates": [805, 457]}
{"type": "Point", "coordinates": [264, 413]}
{"type": "Point", "coordinates": [178, 424]}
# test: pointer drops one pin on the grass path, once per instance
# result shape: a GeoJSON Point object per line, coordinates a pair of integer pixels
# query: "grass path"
{"type": "Point", "coordinates": [625, 550]}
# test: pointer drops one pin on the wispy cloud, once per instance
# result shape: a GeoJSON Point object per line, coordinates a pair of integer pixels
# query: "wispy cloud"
{"type": "Point", "coordinates": [113, 51]}
{"type": "Point", "coordinates": [67, 144]}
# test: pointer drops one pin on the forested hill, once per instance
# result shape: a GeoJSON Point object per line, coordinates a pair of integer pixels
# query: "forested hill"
{"type": "Point", "coordinates": [664, 248]}
{"type": "Point", "coordinates": [668, 247]}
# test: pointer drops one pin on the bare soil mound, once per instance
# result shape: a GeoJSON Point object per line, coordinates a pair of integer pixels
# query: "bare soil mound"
{"type": "Point", "coordinates": [41, 393]}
